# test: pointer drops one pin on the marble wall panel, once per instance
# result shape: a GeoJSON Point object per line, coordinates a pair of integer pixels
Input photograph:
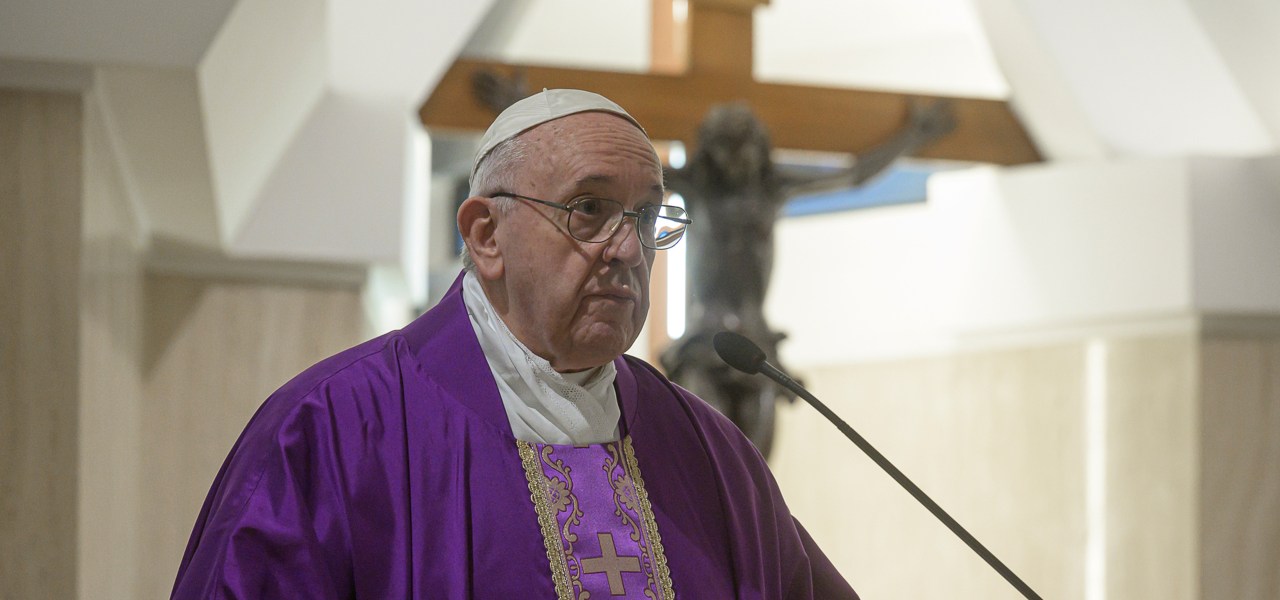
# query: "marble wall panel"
{"type": "Point", "coordinates": [215, 349]}
{"type": "Point", "coordinates": [1151, 472]}
{"type": "Point", "coordinates": [1239, 492]}
{"type": "Point", "coordinates": [111, 315]}
{"type": "Point", "coordinates": [1012, 442]}
{"type": "Point", "coordinates": [870, 528]}
{"type": "Point", "coordinates": [993, 437]}
{"type": "Point", "coordinates": [1018, 466]}
{"type": "Point", "coordinates": [40, 200]}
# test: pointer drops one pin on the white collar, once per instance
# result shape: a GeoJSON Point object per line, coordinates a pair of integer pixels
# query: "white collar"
{"type": "Point", "coordinates": [542, 404]}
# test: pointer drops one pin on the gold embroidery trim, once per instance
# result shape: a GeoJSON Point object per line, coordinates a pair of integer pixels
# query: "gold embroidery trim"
{"type": "Point", "coordinates": [650, 524]}
{"type": "Point", "coordinates": [546, 519]}
{"type": "Point", "coordinates": [567, 536]}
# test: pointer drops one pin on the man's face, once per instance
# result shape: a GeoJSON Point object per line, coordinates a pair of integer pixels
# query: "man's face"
{"type": "Point", "coordinates": [578, 304]}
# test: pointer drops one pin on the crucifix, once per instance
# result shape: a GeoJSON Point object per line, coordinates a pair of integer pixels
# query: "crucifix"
{"type": "Point", "coordinates": [731, 249]}
{"type": "Point", "coordinates": [705, 60]}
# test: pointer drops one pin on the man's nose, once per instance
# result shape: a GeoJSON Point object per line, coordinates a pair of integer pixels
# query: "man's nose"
{"type": "Point", "coordinates": [625, 245]}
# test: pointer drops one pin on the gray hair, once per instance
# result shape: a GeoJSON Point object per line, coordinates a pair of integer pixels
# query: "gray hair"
{"type": "Point", "coordinates": [497, 172]}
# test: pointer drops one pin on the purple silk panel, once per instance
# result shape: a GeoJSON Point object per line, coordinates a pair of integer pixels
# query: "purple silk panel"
{"type": "Point", "coordinates": [597, 523]}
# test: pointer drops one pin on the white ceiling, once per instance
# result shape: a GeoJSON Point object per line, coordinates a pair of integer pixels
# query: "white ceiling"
{"type": "Point", "coordinates": [925, 46]}
{"type": "Point", "coordinates": [172, 33]}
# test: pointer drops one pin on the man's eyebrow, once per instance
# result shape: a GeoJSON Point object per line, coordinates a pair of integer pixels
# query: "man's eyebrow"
{"type": "Point", "coordinates": [595, 179]}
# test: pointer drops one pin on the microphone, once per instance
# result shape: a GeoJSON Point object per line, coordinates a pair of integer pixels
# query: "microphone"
{"type": "Point", "coordinates": [743, 355]}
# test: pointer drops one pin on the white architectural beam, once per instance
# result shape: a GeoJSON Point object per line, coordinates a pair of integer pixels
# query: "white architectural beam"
{"type": "Point", "coordinates": [308, 109]}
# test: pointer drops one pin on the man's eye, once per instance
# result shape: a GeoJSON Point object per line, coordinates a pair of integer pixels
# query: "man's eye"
{"type": "Point", "coordinates": [648, 215]}
{"type": "Point", "coordinates": [589, 207]}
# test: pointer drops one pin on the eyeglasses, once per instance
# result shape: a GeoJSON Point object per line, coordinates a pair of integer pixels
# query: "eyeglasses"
{"type": "Point", "coordinates": [595, 220]}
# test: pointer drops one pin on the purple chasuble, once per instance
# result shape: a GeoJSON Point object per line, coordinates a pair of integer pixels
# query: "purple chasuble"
{"type": "Point", "coordinates": [389, 471]}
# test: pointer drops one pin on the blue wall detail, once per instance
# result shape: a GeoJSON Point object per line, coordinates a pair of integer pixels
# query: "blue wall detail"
{"type": "Point", "coordinates": [901, 183]}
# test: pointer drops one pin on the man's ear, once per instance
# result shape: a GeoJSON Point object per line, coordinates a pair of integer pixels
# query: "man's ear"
{"type": "Point", "coordinates": [478, 222]}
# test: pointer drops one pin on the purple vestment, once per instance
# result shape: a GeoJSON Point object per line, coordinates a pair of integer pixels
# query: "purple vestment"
{"type": "Point", "coordinates": [390, 471]}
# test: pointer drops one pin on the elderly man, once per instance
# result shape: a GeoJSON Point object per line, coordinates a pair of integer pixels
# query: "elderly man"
{"type": "Point", "coordinates": [501, 446]}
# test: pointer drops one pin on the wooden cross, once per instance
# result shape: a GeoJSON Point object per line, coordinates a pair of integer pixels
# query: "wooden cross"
{"type": "Point", "coordinates": [718, 70]}
{"type": "Point", "coordinates": [611, 564]}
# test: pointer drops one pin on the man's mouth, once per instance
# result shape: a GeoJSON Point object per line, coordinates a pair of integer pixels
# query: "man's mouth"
{"type": "Point", "coordinates": [620, 295]}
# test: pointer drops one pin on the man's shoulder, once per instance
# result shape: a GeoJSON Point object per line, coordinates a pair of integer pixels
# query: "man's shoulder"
{"type": "Point", "coordinates": [675, 424]}
{"type": "Point", "coordinates": [360, 361]}
{"type": "Point", "coordinates": [715, 428]}
{"type": "Point", "coordinates": [377, 372]}
{"type": "Point", "coordinates": [366, 373]}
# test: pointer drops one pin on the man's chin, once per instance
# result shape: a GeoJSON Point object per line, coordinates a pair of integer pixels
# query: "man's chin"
{"type": "Point", "coordinates": [598, 348]}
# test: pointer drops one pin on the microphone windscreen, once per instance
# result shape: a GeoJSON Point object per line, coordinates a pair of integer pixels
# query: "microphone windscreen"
{"type": "Point", "coordinates": [740, 352]}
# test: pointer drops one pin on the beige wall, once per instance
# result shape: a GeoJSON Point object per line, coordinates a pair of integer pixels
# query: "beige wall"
{"type": "Point", "coordinates": [214, 350]}
{"type": "Point", "coordinates": [120, 393]}
{"type": "Point", "coordinates": [1111, 466]}
{"type": "Point", "coordinates": [173, 367]}
{"type": "Point", "coordinates": [40, 204]}
{"type": "Point", "coordinates": [1239, 491]}
{"type": "Point", "coordinates": [111, 324]}
{"type": "Point", "coordinates": [995, 437]}
{"type": "Point", "coordinates": [1152, 443]}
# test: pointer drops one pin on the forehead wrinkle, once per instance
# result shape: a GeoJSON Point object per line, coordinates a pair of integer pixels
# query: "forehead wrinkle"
{"type": "Point", "coordinates": [607, 179]}
{"type": "Point", "coordinates": [657, 190]}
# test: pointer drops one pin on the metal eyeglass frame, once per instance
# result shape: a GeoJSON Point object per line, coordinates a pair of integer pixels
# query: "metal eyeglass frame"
{"type": "Point", "coordinates": [569, 208]}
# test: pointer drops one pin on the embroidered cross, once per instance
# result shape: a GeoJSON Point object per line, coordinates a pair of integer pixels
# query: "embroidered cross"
{"type": "Point", "coordinates": [611, 564]}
